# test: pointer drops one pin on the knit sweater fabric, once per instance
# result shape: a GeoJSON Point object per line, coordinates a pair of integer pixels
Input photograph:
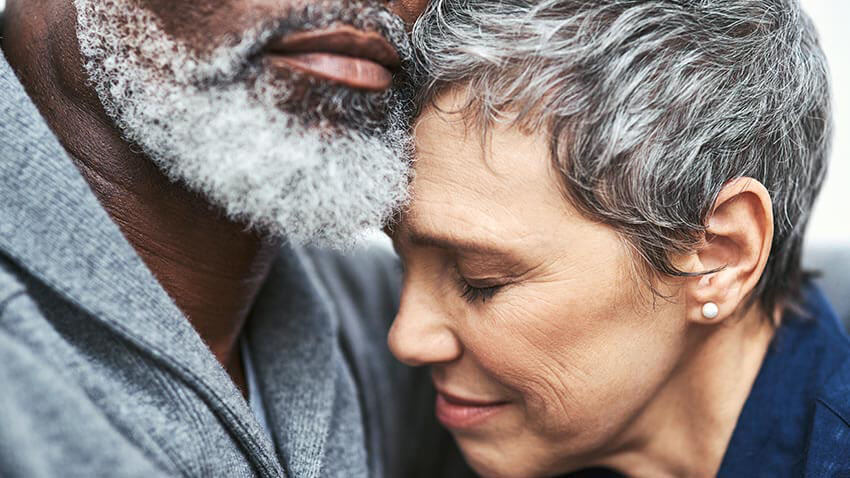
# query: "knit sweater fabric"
{"type": "Point", "coordinates": [102, 375]}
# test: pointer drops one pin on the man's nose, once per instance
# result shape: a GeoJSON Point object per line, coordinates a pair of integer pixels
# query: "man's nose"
{"type": "Point", "coordinates": [421, 334]}
{"type": "Point", "coordinates": [408, 10]}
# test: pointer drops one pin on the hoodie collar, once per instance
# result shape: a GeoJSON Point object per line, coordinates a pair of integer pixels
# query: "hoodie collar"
{"type": "Point", "coordinates": [312, 405]}
{"type": "Point", "coordinates": [53, 227]}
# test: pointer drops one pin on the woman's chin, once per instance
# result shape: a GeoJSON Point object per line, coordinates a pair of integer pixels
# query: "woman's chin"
{"type": "Point", "coordinates": [503, 470]}
{"type": "Point", "coordinates": [485, 469]}
{"type": "Point", "coordinates": [497, 460]}
{"type": "Point", "coordinates": [517, 452]}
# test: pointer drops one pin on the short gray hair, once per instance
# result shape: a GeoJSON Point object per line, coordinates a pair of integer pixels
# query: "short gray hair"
{"type": "Point", "coordinates": [652, 107]}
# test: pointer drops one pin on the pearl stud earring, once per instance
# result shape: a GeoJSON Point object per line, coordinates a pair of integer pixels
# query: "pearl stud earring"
{"type": "Point", "coordinates": [710, 310]}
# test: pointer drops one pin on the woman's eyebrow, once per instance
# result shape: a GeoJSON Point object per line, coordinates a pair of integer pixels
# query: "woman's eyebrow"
{"type": "Point", "coordinates": [451, 242]}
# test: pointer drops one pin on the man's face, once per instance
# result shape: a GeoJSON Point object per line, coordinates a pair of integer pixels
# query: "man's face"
{"type": "Point", "coordinates": [308, 36]}
{"type": "Point", "coordinates": [284, 113]}
{"type": "Point", "coordinates": [204, 17]}
{"type": "Point", "coordinates": [197, 21]}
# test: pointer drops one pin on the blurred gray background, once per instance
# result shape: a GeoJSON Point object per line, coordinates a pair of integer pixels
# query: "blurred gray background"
{"type": "Point", "coordinates": [828, 240]}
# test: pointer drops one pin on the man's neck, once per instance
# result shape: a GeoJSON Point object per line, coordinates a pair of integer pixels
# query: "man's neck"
{"type": "Point", "coordinates": [210, 266]}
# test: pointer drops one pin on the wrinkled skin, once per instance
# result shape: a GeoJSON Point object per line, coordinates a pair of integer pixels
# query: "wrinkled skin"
{"type": "Point", "coordinates": [514, 298]}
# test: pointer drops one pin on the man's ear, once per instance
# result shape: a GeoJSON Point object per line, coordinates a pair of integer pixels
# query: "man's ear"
{"type": "Point", "coordinates": [739, 234]}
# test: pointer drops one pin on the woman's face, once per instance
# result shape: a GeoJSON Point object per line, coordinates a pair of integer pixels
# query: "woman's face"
{"type": "Point", "coordinates": [547, 348]}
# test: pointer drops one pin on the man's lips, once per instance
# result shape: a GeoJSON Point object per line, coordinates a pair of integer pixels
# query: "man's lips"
{"type": "Point", "coordinates": [457, 412]}
{"type": "Point", "coordinates": [342, 54]}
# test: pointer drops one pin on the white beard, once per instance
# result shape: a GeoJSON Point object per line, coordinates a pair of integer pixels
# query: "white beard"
{"type": "Point", "coordinates": [326, 182]}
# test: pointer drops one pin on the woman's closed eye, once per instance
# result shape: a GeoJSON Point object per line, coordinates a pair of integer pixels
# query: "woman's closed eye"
{"type": "Point", "coordinates": [474, 290]}
{"type": "Point", "coordinates": [473, 294]}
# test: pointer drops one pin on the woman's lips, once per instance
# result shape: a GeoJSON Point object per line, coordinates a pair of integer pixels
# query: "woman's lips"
{"type": "Point", "coordinates": [343, 54]}
{"type": "Point", "coordinates": [459, 413]}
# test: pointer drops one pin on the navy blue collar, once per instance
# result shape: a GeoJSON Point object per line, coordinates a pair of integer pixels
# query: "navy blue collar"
{"type": "Point", "coordinates": [796, 420]}
{"type": "Point", "coordinates": [777, 424]}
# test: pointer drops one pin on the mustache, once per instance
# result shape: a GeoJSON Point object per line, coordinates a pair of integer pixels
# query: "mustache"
{"type": "Point", "coordinates": [236, 58]}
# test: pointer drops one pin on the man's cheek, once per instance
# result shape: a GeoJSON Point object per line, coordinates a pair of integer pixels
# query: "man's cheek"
{"type": "Point", "coordinates": [202, 25]}
{"type": "Point", "coordinates": [409, 10]}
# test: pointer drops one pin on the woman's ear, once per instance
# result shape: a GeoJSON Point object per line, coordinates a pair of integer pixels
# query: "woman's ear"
{"type": "Point", "coordinates": [739, 234]}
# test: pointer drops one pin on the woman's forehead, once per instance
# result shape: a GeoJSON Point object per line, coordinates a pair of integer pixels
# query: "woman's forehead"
{"type": "Point", "coordinates": [454, 154]}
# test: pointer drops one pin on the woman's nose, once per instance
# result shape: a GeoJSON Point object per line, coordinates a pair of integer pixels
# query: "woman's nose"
{"type": "Point", "coordinates": [420, 334]}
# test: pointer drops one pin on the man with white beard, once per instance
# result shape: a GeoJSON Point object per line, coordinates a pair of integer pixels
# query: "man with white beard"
{"type": "Point", "coordinates": [164, 166]}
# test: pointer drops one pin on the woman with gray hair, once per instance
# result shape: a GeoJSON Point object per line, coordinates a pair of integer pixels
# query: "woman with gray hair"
{"type": "Point", "coordinates": [602, 254]}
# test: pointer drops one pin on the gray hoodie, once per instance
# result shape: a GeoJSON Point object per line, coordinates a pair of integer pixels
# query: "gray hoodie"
{"type": "Point", "coordinates": [101, 374]}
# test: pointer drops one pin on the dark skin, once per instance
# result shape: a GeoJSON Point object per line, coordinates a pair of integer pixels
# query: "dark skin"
{"type": "Point", "coordinates": [211, 267]}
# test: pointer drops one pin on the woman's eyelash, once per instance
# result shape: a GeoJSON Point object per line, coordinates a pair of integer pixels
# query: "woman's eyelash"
{"type": "Point", "coordinates": [473, 294]}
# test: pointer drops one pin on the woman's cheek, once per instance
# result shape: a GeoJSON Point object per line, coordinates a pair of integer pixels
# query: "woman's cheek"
{"type": "Point", "coordinates": [543, 345]}
{"type": "Point", "coordinates": [525, 345]}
